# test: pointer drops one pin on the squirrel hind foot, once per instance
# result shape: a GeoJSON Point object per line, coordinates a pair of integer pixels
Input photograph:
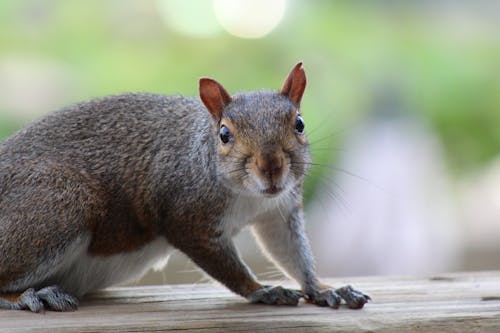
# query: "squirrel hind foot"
{"type": "Point", "coordinates": [48, 298]}
{"type": "Point", "coordinates": [56, 299]}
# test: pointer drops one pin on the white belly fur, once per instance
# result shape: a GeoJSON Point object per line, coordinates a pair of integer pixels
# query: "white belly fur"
{"type": "Point", "coordinates": [88, 273]}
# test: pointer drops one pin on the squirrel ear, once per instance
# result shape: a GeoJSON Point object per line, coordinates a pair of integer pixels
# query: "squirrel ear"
{"type": "Point", "coordinates": [214, 96]}
{"type": "Point", "coordinates": [295, 84]}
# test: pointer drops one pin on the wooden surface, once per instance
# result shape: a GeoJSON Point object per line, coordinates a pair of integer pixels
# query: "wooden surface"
{"type": "Point", "coordinates": [464, 302]}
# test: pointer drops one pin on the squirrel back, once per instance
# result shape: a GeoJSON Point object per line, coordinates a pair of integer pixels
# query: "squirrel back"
{"type": "Point", "coordinates": [109, 136]}
{"type": "Point", "coordinates": [138, 153]}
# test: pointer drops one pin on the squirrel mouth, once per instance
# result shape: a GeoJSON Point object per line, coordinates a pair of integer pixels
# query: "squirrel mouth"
{"type": "Point", "coordinates": [272, 190]}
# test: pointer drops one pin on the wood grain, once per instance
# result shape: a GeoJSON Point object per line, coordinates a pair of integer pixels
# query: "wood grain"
{"type": "Point", "coordinates": [459, 302]}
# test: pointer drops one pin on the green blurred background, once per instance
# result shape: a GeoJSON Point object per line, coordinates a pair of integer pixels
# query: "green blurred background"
{"type": "Point", "coordinates": [442, 57]}
{"type": "Point", "coordinates": [449, 53]}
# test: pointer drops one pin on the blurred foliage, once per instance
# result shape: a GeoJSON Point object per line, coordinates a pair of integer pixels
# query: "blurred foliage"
{"type": "Point", "coordinates": [443, 56]}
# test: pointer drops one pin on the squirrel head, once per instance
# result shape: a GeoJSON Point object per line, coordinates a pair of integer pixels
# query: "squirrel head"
{"type": "Point", "coordinates": [262, 148]}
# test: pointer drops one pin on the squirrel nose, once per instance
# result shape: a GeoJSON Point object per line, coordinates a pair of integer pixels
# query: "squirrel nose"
{"type": "Point", "coordinates": [270, 165]}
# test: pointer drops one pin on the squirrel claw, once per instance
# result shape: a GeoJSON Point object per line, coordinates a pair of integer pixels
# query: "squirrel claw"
{"type": "Point", "coordinates": [48, 298]}
{"type": "Point", "coordinates": [332, 298]}
{"type": "Point", "coordinates": [30, 301]}
{"type": "Point", "coordinates": [57, 299]}
{"type": "Point", "coordinates": [276, 295]}
{"type": "Point", "coordinates": [353, 298]}
{"type": "Point", "coordinates": [327, 297]}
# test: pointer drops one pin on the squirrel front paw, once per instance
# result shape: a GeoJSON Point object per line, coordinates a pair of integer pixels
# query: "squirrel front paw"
{"type": "Point", "coordinates": [276, 295]}
{"type": "Point", "coordinates": [333, 297]}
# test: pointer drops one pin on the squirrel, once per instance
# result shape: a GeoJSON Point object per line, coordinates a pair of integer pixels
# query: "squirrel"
{"type": "Point", "coordinates": [97, 193]}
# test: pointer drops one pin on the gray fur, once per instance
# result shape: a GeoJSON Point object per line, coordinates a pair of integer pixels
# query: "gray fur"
{"type": "Point", "coordinates": [94, 193]}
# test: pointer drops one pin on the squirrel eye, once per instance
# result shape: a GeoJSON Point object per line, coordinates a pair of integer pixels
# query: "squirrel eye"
{"type": "Point", "coordinates": [225, 135]}
{"type": "Point", "coordinates": [299, 125]}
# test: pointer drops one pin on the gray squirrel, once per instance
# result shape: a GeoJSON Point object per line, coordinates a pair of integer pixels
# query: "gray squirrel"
{"type": "Point", "coordinates": [97, 193]}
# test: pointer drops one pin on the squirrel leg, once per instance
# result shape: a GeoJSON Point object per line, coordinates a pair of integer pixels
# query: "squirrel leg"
{"type": "Point", "coordinates": [219, 258]}
{"type": "Point", "coordinates": [281, 233]}
{"type": "Point", "coordinates": [42, 232]}
{"type": "Point", "coordinates": [49, 298]}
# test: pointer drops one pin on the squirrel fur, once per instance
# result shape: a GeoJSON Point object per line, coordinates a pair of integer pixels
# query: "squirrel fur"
{"type": "Point", "coordinates": [97, 193]}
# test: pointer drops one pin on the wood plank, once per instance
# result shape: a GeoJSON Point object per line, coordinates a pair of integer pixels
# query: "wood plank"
{"type": "Point", "coordinates": [459, 302]}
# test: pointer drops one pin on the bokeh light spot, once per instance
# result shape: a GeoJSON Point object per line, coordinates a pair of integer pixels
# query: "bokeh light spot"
{"type": "Point", "coordinates": [249, 18]}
